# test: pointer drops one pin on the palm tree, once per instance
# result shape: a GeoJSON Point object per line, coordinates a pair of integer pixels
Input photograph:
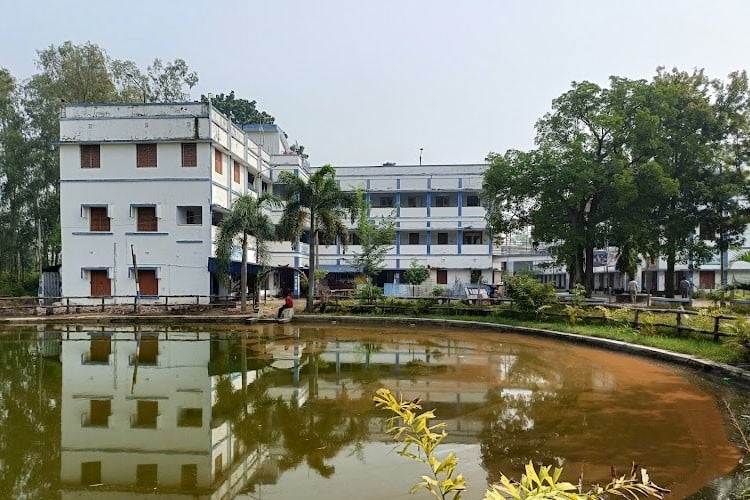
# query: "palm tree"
{"type": "Point", "coordinates": [246, 218]}
{"type": "Point", "coordinates": [318, 205]}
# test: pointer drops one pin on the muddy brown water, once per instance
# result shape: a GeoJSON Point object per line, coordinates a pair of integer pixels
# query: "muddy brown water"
{"type": "Point", "coordinates": [283, 411]}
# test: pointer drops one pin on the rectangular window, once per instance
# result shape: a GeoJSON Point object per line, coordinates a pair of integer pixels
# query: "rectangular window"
{"type": "Point", "coordinates": [472, 200]}
{"type": "Point", "coordinates": [100, 347]}
{"type": "Point", "coordinates": [145, 155]}
{"type": "Point", "coordinates": [147, 411]}
{"type": "Point", "coordinates": [91, 473]}
{"type": "Point", "coordinates": [442, 201]}
{"type": "Point", "coordinates": [90, 156]}
{"type": "Point", "coordinates": [472, 238]}
{"type": "Point", "coordinates": [218, 162]}
{"type": "Point", "coordinates": [189, 476]}
{"type": "Point", "coordinates": [442, 277]}
{"type": "Point", "coordinates": [148, 349]}
{"type": "Point", "coordinates": [414, 201]}
{"type": "Point", "coordinates": [100, 283]}
{"type": "Point", "coordinates": [218, 466]}
{"type": "Point", "coordinates": [148, 284]}
{"type": "Point", "coordinates": [99, 412]}
{"type": "Point", "coordinates": [414, 238]}
{"type": "Point", "coordinates": [189, 154]}
{"type": "Point", "coordinates": [147, 220]}
{"type": "Point", "coordinates": [442, 239]}
{"type": "Point", "coordinates": [236, 173]}
{"type": "Point", "coordinates": [386, 202]}
{"type": "Point", "coordinates": [146, 475]}
{"type": "Point", "coordinates": [190, 417]}
{"type": "Point", "coordinates": [190, 215]}
{"type": "Point", "coordinates": [98, 219]}
{"type": "Point", "coordinates": [354, 238]}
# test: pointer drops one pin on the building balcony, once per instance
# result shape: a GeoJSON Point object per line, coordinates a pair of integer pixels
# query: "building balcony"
{"type": "Point", "coordinates": [483, 249]}
{"type": "Point", "coordinates": [444, 249]}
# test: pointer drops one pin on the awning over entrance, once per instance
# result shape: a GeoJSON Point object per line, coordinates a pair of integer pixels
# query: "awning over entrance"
{"type": "Point", "coordinates": [235, 267]}
{"type": "Point", "coordinates": [338, 268]}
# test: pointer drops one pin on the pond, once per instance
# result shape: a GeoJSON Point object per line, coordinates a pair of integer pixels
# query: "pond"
{"type": "Point", "coordinates": [285, 411]}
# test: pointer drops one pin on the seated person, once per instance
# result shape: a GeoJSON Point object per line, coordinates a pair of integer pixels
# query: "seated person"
{"type": "Point", "coordinates": [288, 304]}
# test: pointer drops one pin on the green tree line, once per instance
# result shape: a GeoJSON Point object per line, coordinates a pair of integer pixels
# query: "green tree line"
{"type": "Point", "coordinates": [654, 168]}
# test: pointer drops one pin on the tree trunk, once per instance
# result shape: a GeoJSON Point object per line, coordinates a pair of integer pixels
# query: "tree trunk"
{"type": "Point", "coordinates": [312, 266]}
{"type": "Point", "coordinates": [669, 274]}
{"type": "Point", "coordinates": [243, 275]}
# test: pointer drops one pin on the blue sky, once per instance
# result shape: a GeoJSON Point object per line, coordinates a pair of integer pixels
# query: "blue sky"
{"type": "Point", "coordinates": [362, 82]}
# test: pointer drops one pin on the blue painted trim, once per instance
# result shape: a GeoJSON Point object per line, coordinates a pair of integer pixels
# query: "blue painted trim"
{"type": "Point", "coordinates": [146, 233]}
{"type": "Point", "coordinates": [398, 239]}
{"type": "Point", "coordinates": [460, 201]}
{"type": "Point", "coordinates": [459, 236]}
{"type": "Point", "coordinates": [91, 233]}
{"type": "Point", "coordinates": [429, 238]}
{"type": "Point", "coordinates": [398, 204]}
{"type": "Point", "coordinates": [428, 201]}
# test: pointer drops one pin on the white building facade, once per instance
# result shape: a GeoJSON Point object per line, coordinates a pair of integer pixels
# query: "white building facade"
{"type": "Point", "coordinates": [439, 218]}
{"type": "Point", "coordinates": [144, 187]}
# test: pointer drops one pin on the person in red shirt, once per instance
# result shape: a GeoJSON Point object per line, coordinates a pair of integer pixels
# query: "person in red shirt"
{"type": "Point", "coordinates": [288, 304]}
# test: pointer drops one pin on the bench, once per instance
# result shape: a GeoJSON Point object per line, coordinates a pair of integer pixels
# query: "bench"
{"type": "Point", "coordinates": [670, 301]}
{"type": "Point", "coordinates": [476, 295]}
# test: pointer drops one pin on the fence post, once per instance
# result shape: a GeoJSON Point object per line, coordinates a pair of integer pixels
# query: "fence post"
{"type": "Point", "coordinates": [102, 304]}
{"type": "Point", "coordinates": [716, 328]}
{"type": "Point", "coordinates": [678, 320]}
{"type": "Point", "coordinates": [67, 305]}
{"type": "Point", "coordinates": [636, 318]}
{"type": "Point", "coordinates": [166, 303]}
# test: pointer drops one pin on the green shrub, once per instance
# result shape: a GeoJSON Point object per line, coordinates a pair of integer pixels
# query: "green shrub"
{"type": "Point", "coordinates": [438, 291]}
{"type": "Point", "coordinates": [529, 294]}
{"type": "Point", "coordinates": [368, 294]}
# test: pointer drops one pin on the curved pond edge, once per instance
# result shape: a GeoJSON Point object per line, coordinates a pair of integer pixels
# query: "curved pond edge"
{"type": "Point", "coordinates": [735, 374]}
{"type": "Point", "coordinates": [712, 368]}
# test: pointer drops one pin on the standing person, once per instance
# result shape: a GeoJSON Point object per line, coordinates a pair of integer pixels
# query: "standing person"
{"type": "Point", "coordinates": [288, 304]}
{"type": "Point", "coordinates": [685, 287]}
{"type": "Point", "coordinates": [633, 289]}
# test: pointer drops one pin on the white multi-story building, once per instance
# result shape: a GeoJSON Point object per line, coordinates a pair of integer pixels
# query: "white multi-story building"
{"type": "Point", "coordinates": [145, 186]}
{"type": "Point", "coordinates": [440, 223]}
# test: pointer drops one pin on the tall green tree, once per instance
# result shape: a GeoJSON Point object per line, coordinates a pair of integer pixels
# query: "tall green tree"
{"type": "Point", "coordinates": [376, 239]}
{"type": "Point", "coordinates": [246, 219]}
{"type": "Point", "coordinates": [162, 81]}
{"type": "Point", "coordinates": [239, 110]}
{"type": "Point", "coordinates": [684, 144]}
{"type": "Point", "coordinates": [725, 213]}
{"type": "Point", "coordinates": [589, 183]}
{"type": "Point", "coordinates": [319, 207]}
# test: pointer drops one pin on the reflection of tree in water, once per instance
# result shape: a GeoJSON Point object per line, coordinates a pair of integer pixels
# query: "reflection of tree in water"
{"type": "Point", "coordinates": [311, 433]}
{"type": "Point", "coordinates": [30, 392]}
{"type": "Point", "coordinates": [522, 417]}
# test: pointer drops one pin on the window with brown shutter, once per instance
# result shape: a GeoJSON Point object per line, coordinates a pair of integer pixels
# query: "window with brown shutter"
{"type": "Point", "coordinates": [147, 220]}
{"type": "Point", "coordinates": [98, 219]}
{"type": "Point", "coordinates": [236, 172]}
{"type": "Point", "coordinates": [147, 282]}
{"type": "Point", "coordinates": [442, 277]}
{"type": "Point", "coordinates": [90, 156]}
{"type": "Point", "coordinates": [100, 283]}
{"type": "Point", "coordinates": [145, 155]}
{"type": "Point", "coordinates": [189, 154]}
{"type": "Point", "coordinates": [218, 162]}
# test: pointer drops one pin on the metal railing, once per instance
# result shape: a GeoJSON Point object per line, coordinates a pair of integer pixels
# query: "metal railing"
{"type": "Point", "coordinates": [26, 306]}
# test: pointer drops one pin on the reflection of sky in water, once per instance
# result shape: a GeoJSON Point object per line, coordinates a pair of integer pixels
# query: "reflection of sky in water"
{"type": "Point", "coordinates": [169, 411]}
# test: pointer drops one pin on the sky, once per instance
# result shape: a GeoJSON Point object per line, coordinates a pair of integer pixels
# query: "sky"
{"type": "Point", "coordinates": [367, 82]}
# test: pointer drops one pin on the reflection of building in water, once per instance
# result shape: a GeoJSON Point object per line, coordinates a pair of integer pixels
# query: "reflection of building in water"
{"type": "Point", "coordinates": [144, 411]}
{"type": "Point", "coordinates": [137, 415]}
